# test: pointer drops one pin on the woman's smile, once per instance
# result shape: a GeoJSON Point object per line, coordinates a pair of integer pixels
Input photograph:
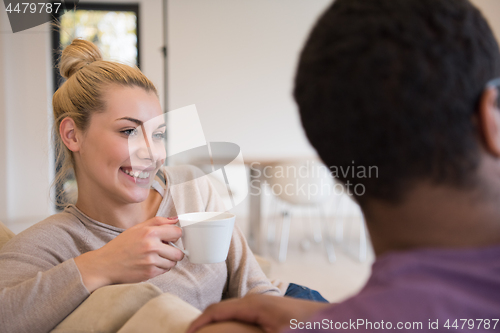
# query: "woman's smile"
{"type": "Point", "coordinates": [136, 174]}
{"type": "Point", "coordinates": [140, 176]}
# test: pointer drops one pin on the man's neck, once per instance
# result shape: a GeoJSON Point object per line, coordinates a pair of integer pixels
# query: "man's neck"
{"type": "Point", "coordinates": [437, 216]}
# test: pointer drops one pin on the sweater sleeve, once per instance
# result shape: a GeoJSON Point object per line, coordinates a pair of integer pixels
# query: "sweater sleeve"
{"type": "Point", "coordinates": [244, 273]}
{"type": "Point", "coordinates": [39, 281]}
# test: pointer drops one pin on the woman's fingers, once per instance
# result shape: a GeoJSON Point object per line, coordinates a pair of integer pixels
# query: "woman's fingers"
{"type": "Point", "coordinates": [163, 260]}
{"type": "Point", "coordinates": [160, 228]}
{"type": "Point", "coordinates": [167, 233]}
{"type": "Point", "coordinates": [165, 228]}
{"type": "Point", "coordinates": [164, 264]}
{"type": "Point", "coordinates": [169, 252]}
{"type": "Point", "coordinates": [160, 220]}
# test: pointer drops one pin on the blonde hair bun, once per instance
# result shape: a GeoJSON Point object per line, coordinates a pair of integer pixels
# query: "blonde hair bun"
{"type": "Point", "coordinates": [77, 55]}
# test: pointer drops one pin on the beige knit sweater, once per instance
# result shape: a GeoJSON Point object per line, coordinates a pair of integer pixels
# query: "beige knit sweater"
{"type": "Point", "coordinates": [40, 283]}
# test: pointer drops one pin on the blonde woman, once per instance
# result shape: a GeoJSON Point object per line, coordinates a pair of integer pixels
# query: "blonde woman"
{"type": "Point", "coordinates": [117, 232]}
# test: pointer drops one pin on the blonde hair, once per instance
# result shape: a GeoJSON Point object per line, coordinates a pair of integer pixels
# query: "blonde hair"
{"type": "Point", "coordinates": [88, 75]}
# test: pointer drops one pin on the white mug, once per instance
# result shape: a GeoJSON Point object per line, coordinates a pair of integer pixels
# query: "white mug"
{"type": "Point", "coordinates": [206, 236]}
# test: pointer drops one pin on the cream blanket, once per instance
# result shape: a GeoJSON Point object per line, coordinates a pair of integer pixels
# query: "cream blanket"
{"type": "Point", "coordinates": [130, 308]}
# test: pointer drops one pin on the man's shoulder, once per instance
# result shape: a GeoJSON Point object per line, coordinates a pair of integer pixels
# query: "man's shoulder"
{"type": "Point", "coordinates": [383, 309]}
{"type": "Point", "coordinates": [425, 285]}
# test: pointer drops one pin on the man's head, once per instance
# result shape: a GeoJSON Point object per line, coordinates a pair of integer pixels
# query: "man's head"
{"type": "Point", "coordinates": [395, 84]}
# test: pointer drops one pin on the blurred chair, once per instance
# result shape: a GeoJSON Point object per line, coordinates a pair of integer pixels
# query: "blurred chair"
{"type": "Point", "coordinates": [301, 184]}
{"type": "Point", "coordinates": [344, 234]}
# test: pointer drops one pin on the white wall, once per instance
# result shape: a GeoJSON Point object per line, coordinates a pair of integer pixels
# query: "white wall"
{"type": "Point", "coordinates": [26, 169]}
{"type": "Point", "coordinates": [236, 59]}
{"type": "Point", "coordinates": [491, 11]}
{"type": "Point", "coordinates": [25, 79]}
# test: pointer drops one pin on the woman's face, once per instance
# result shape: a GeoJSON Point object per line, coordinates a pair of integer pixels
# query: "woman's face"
{"type": "Point", "coordinates": [123, 147]}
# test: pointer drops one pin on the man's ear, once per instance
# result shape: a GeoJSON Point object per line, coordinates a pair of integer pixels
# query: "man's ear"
{"type": "Point", "coordinates": [489, 121]}
{"type": "Point", "coordinates": [68, 131]}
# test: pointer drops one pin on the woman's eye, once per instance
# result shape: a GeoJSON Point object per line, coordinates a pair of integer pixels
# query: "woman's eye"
{"type": "Point", "coordinates": [159, 135]}
{"type": "Point", "coordinates": [130, 132]}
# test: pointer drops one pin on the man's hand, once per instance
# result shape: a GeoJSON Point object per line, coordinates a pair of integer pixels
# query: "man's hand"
{"type": "Point", "coordinates": [270, 313]}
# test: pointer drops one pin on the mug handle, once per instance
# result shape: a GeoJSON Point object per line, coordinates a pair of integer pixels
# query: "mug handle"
{"type": "Point", "coordinates": [183, 251]}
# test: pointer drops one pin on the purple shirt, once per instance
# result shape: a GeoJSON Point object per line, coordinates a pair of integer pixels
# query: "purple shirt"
{"type": "Point", "coordinates": [421, 290]}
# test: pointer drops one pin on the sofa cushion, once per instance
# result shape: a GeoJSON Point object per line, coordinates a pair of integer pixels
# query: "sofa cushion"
{"type": "Point", "coordinates": [165, 313]}
{"type": "Point", "coordinates": [5, 234]}
{"type": "Point", "coordinates": [108, 308]}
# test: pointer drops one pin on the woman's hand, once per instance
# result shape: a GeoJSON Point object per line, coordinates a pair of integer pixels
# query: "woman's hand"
{"type": "Point", "coordinates": [269, 313]}
{"type": "Point", "coordinates": [137, 254]}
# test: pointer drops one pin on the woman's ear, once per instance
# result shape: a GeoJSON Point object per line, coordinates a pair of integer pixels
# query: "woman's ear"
{"type": "Point", "coordinates": [68, 131]}
{"type": "Point", "coordinates": [489, 121]}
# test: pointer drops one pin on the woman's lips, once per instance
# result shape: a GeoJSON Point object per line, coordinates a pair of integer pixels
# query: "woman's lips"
{"type": "Point", "coordinates": [137, 174]}
{"type": "Point", "coordinates": [138, 177]}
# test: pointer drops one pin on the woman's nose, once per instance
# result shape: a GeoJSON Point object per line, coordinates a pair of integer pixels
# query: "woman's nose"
{"type": "Point", "coordinates": [159, 152]}
{"type": "Point", "coordinates": [140, 152]}
{"type": "Point", "coordinates": [143, 152]}
{"type": "Point", "coordinates": [148, 150]}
